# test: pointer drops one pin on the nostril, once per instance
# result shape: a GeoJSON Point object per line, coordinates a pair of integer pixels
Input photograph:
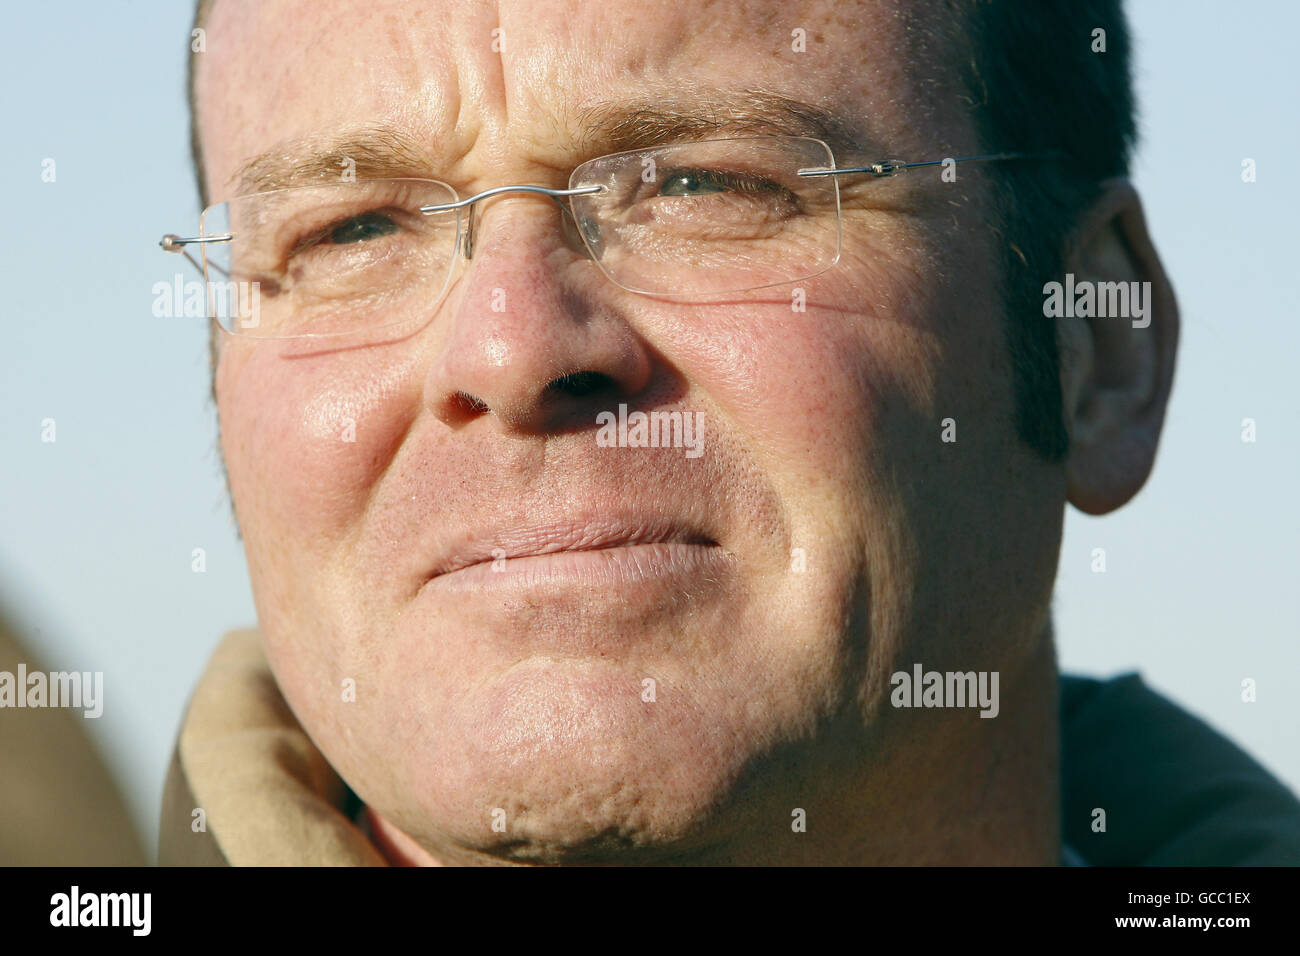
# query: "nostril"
{"type": "Point", "coordinates": [581, 384]}
{"type": "Point", "coordinates": [469, 404]}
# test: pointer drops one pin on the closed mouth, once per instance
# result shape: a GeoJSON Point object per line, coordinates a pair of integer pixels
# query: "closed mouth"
{"type": "Point", "coordinates": [599, 533]}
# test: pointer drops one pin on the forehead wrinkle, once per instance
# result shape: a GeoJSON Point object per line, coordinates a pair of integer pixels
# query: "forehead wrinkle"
{"type": "Point", "coordinates": [663, 110]}
{"type": "Point", "coordinates": [259, 88]}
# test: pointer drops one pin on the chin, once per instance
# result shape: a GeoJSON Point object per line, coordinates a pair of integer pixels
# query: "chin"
{"type": "Point", "coordinates": [568, 764]}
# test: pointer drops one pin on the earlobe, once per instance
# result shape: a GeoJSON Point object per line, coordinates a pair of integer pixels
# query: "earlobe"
{"type": "Point", "coordinates": [1117, 323]}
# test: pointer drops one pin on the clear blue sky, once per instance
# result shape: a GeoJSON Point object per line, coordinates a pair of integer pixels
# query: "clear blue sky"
{"type": "Point", "coordinates": [97, 529]}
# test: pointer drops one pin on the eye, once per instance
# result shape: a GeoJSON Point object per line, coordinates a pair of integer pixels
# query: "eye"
{"type": "Point", "coordinates": [696, 182]}
{"type": "Point", "coordinates": [368, 225]}
{"type": "Point", "coordinates": [354, 230]}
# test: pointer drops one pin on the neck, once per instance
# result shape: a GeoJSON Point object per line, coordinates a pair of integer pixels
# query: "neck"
{"type": "Point", "coordinates": [959, 791]}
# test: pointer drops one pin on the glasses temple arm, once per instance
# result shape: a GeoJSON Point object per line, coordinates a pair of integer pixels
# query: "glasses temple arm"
{"type": "Point", "coordinates": [893, 167]}
{"type": "Point", "coordinates": [174, 243]}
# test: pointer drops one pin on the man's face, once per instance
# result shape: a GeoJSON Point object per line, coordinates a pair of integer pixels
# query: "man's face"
{"type": "Point", "coordinates": [826, 537]}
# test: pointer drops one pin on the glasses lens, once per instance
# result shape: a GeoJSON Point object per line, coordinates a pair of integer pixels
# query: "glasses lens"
{"type": "Point", "coordinates": [329, 260]}
{"type": "Point", "coordinates": [711, 217]}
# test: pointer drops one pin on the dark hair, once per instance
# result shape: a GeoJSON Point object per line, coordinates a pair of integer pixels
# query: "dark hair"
{"type": "Point", "coordinates": [1036, 84]}
{"type": "Point", "coordinates": [1040, 78]}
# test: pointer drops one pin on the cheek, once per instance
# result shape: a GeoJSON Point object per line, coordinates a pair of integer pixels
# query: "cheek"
{"type": "Point", "coordinates": [812, 381]}
{"type": "Point", "coordinates": [306, 438]}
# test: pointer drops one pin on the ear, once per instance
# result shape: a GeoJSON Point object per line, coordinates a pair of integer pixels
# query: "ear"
{"type": "Point", "coordinates": [1116, 370]}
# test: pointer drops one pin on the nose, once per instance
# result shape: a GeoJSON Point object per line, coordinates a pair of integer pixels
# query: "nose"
{"type": "Point", "coordinates": [532, 338]}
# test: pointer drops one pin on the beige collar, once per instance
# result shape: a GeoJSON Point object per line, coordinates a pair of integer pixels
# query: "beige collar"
{"type": "Point", "coordinates": [267, 795]}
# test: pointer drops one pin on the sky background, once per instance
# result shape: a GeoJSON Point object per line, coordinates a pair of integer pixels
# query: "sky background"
{"type": "Point", "coordinates": [97, 528]}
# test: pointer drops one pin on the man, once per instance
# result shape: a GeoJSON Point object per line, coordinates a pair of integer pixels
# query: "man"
{"type": "Point", "coordinates": [816, 628]}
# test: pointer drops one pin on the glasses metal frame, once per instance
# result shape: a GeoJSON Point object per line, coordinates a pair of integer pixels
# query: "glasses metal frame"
{"type": "Point", "coordinates": [878, 170]}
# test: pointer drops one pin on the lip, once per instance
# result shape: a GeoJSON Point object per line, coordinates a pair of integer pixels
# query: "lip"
{"type": "Point", "coordinates": [595, 550]}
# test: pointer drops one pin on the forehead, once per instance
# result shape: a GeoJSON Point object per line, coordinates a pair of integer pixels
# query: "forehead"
{"type": "Point", "coordinates": [478, 85]}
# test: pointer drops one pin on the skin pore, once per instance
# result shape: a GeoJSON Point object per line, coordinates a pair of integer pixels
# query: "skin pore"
{"type": "Point", "coordinates": [519, 697]}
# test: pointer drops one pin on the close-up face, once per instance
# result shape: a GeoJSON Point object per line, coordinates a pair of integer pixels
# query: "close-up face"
{"type": "Point", "coordinates": [471, 603]}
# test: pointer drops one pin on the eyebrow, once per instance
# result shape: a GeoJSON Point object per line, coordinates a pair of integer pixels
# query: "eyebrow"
{"type": "Point", "coordinates": [376, 152]}
{"type": "Point", "coordinates": [384, 152]}
{"type": "Point", "coordinates": [621, 125]}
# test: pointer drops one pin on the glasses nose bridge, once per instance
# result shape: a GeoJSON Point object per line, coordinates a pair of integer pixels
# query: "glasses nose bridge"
{"type": "Point", "coordinates": [471, 205]}
{"type": "Point", "coordinates": [474, 212]}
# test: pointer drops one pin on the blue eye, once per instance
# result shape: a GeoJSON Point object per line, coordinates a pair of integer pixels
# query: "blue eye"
{"type": "Point", "coordinates": [694, 183]}
{"type": "Point", "coordinates": [370, 225]}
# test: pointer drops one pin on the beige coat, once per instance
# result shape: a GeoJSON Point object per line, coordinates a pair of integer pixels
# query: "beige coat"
{"type": "Point", "coordinates": [267, 795]}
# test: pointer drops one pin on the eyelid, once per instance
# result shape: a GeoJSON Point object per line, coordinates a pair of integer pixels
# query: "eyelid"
{"type": "Point", "coordinates": [307, 242]}
{"type": "Point", "coordinates": [729, 177]}
{"type": "Point", "coordinates": [737, 181]}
